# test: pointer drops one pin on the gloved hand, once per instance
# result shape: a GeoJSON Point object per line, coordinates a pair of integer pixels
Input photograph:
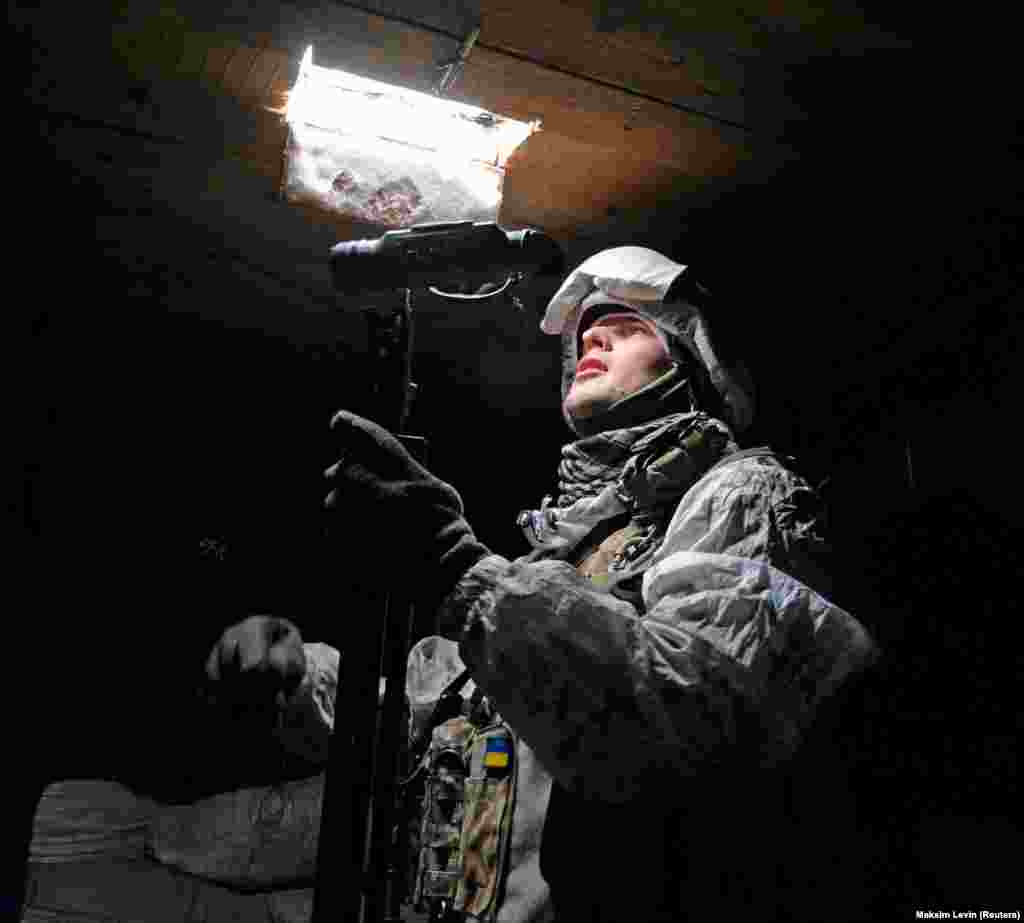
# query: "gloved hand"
{"type": "Point", "coordinates": [401, 523]}
{"type": "Point", "coordinates": [256, 666]}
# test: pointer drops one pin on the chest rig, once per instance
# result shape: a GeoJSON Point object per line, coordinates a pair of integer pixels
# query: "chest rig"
{"type": "Point", "coordinates": [463, 787]}
{"type": "Point", "coordinates": [616, 554]}
{"type": "Point", "coordinates": [464, 754]}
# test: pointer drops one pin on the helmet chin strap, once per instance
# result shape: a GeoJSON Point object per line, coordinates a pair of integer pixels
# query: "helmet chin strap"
{"type": "Point", "coordinates": [668, 394]}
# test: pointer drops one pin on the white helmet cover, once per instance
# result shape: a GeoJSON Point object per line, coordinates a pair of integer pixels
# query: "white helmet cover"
{"type": "Point", "coordinates": [640, 278]}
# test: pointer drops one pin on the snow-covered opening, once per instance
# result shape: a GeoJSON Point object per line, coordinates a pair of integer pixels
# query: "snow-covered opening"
{"type": "Point", "coordinates": [387, 155]}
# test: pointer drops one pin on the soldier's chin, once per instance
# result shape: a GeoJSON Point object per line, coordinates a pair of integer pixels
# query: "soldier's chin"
{"type": "Point", "coordinates": [583, 406]}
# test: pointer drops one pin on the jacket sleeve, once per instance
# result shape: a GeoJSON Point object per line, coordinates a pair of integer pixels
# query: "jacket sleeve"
{"type": "Point", "coordinates": [308, 720]}
{"type": "Point", "coordinates": [726, 665]}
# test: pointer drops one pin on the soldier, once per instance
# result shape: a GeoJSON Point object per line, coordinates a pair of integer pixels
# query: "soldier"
{"type": "Point", "coordinates": [644, 675]}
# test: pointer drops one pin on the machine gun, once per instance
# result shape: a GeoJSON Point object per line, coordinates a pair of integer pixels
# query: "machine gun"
{"type": "Point", "coordinates": [360, 862]}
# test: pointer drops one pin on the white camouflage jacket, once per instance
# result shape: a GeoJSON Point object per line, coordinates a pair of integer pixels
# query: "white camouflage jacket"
{"type": "Point", "coordinates": [607, 697]}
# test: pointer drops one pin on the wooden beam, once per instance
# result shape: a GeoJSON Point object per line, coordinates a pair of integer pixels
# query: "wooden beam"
{"type": "Point", "coordinates": [658, 102]}
{"type": "Point", "coordinates": [564, 40]}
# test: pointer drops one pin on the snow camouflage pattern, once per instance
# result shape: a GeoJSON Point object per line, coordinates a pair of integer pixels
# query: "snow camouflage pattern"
{"type": "Point", "coordinates": [641, 471]}
{"type": "Point", "coordinates": [719, 659]}
{"type": "Point", "coordinates": [655, 695]}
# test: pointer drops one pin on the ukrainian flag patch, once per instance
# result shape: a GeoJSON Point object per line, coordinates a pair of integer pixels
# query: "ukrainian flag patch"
{"type": "Point", "coordinates": [498, 753]}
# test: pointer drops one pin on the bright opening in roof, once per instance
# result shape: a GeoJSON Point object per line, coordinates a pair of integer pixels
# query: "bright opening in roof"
{"type": "Point", "coordinates": [387, 155]}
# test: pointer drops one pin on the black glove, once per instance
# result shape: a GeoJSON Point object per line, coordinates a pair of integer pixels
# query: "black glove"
{"type": "Point", "coordinates": [401, 525]}
{"type": "Point", "coordinates": [256, 666]}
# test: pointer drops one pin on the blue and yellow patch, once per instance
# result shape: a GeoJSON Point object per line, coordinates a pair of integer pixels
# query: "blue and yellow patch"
{"type": "Point", "coordinates": [498, 753]}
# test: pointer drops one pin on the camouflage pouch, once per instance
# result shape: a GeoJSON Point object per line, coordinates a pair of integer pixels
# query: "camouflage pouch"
{"type": "Point", "coordinates": [467, 773]}
{"type": "Point", "coordinates": [486, 821]}
{"type": "Point", "coordinates": [440, 867]}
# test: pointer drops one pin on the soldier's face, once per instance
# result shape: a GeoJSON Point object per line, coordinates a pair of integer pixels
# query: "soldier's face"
{"type": "Point", "coordinates": [619, 354]}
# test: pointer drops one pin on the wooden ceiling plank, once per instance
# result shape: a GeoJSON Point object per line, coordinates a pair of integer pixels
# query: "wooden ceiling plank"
{"type": "Point", "coordinates": [266, 67]}
{"type": "Point", "coordinates": [600, 116]}
{"type": "Point", "coordinates": [571, 105]}
{"type": "Point", "coordinates": [563, 36]}
{"type": "Point", "coordinates": [603, 117]}
{"type": "Point", "coordinates": [536, 33]}
{"type": "Point", "coordinates": [218, 59]}
{"type": "Point", "coordinates": [238, 70]}
{"type": "Point", "coordinates": [747, 30]}
{"type": "Point", "coordinates": [597, 186]}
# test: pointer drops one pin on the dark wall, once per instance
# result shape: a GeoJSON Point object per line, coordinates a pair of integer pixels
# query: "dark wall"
{"type": "Point", "coordinates": [890, 261]}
